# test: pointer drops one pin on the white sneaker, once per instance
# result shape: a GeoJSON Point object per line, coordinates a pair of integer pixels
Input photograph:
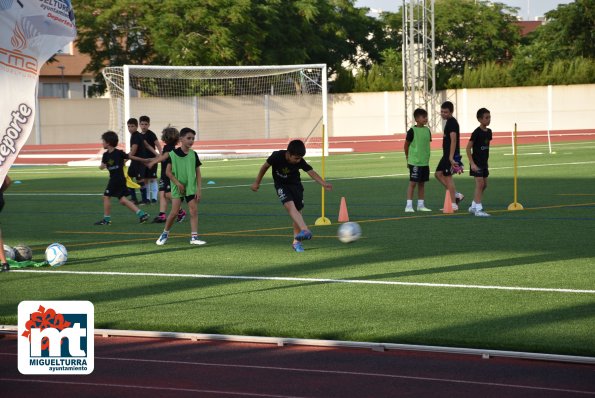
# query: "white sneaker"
{"type": "Point", "coordinates": [423, 208]}
{"type": "Point", "coordinates": [455, 207]}
{"type": "Point", "coordinates": [195, 241]}
{"type": "Point", "coordinates": [459, 197]}
{"type": "Point", "coordinates": [409, 209]}
{"type": "Point", "coordinates": [471, 209]}
{"type": "Point", "coordinates": [481, 213]}
{"type": "Point", "coordinates": [162, 239]}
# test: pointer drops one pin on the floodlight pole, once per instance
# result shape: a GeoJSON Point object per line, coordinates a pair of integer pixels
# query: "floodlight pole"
{"type": "Point", "coordinates": [419, 61]}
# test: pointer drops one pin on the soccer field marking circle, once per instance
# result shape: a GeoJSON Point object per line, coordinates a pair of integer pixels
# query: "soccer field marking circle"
{"type": "Point", "coordinates": [315, 280]}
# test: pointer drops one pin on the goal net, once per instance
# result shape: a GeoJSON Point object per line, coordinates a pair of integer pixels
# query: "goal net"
{"type": "Point", "coordinates": [237, 111]}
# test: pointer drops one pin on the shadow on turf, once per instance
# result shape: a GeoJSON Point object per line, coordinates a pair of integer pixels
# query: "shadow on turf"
{"type": "Point", "coordinates": [522, 329]}
{"type": "Point", "coordinates": [103, 258]}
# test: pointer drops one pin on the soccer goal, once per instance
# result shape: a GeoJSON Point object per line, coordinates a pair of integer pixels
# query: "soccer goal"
{"type": "Point", "coordinates": [237, 111]}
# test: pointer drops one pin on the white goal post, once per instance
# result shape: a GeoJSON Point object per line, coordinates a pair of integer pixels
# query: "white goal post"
{"type": "Point", "coordinates": [236, 110]}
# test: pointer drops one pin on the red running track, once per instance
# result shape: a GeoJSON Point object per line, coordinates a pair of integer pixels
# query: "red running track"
{"type": "Point", "coordinates": [152, 367]}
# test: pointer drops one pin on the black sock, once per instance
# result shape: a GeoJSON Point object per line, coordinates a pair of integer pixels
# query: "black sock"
{"type": "Point", "coordinates": [143, 192]}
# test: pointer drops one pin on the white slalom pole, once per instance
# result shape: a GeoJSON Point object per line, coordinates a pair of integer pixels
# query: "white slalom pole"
{"type": "Point", "coordinates": [549, 115]}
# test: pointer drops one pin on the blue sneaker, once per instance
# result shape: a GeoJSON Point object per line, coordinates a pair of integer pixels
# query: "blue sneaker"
{"type": "Point", "coordinates": [162, 239]}
{"type": "Point", "coordinates": [297, 246]}
{"type": "Point", "coordinates": [303, 235]}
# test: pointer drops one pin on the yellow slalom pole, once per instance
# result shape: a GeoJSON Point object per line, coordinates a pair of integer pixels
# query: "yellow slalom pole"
{"type": "Point", "coordinates": [515, 205]}
{"type": "Point", "coordinates": [322, 220]}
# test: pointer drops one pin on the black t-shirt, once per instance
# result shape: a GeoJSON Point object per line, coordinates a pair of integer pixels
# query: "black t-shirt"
{"type": "Point", "coordinates": [151, 139]}
{"type": "Point", "coordinates": [114, 162]}
{"type": "Point", "coordinates": [285, 173]}
{"type": "Point", "coordinates": [138, 139]}
{"type": "Point", "coordinates": [180, 153]}
{"type": "Point", "coordinates": [452, 126]}
{"type": "Point", "coordinates": [481, 147]}
{"type": "Point", "coordinates": [166, 148]}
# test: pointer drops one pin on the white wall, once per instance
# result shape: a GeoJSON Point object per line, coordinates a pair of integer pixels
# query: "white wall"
{"type": "Point", "coordinates": [78, 121]}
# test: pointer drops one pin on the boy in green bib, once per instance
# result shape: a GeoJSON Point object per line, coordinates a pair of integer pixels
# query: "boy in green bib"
{"type": "Point", "coordinates": [183, 170]}
{"type": "Point", "coordinates": [417, 154]}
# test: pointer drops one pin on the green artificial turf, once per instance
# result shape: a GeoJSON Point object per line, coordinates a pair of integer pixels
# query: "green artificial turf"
{"type": "Point", "coordinates": [443, 259]}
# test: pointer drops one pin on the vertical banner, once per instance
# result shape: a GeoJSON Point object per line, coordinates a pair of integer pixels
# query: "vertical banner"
{"type": "Point", "coordinates": [31, 31]}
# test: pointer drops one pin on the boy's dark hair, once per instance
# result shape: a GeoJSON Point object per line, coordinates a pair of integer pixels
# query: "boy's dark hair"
{"type": "Point", "coordinates": [111, 138]}
{"type": "Point", "coordinates": [186, 130]}
{"type": "Point", "coordinates": [132, 121]}
{"type": "Point", "coordinates": [144, 119]}
{"type": "Point", "coordinates": [448, 105]}
{"type": "Point", "coordinates": [297, 148]}
{"type": "Point", "coordinates": [419, 112]}
{"type": "Point", "coordinates": [170, 135]}
{"type": "Point", "coordinates": [481, 112]}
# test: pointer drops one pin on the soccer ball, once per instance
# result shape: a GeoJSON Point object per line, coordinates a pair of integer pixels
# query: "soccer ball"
{"type": "Point", "coordinates": [349, 232]}
{"type": "Point", "coordinates": [56, 255]}
{"type": "Point", "coordinates": [9, 252]}
{"type": "Point", "coordinates": [22, 253]}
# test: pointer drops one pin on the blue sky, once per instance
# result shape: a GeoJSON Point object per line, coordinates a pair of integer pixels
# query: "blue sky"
{"type": "Point", "coordinates": [529, 9]}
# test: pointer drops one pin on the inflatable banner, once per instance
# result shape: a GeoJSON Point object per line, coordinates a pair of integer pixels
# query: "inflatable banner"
{"type": "Point", "coordinates": [31, 31]}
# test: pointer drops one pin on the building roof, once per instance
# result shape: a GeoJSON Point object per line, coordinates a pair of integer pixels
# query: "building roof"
{"type": "Point", "coordinates": [528, 26]}
{"type": "Point", "coordinates": [73, 63]}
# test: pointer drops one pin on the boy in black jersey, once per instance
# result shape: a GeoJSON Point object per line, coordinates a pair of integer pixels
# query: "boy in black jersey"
{"type": "Point", "coordinates": [152, 150]}
{"type": "Point", "coordinates": [286, 176]}
{"type": "Point", "coordinates": [450, 154]}
{"type": "Point", "coordinates": [3, 187]}
{"type": "Point", "coordinates": [113, 160]}
{"type": "Point", "coordinates": [478, 152]}
{"type": "Point", "coordinates": [137, 150]}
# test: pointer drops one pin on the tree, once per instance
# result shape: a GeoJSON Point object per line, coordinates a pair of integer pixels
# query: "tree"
{"type": "Point", "coordinates": [385, 76]}
{"type": "Point", "coordinates": [225, 32]}
{"type": "Point", "coordinates": [467, 33]}
{"type": "Point", "coordinates": [569, 32]}
{"type": "Point", "coordinates": [113, 33]}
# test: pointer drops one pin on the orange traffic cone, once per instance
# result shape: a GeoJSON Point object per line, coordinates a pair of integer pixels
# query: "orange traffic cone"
{"type": "Point", "coordinates": [447, 209]}
{"type": "Point", "coordinates": [343, 215]}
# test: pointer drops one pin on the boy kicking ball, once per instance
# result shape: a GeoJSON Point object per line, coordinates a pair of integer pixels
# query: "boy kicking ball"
{"type": "Point", "coordinates": [286, 176]}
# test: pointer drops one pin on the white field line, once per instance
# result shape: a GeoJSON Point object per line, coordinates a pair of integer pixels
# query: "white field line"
{"type": "Point", "coordinates": [315, 280]}
{"type": "Point", "coordinates": [305, 181]}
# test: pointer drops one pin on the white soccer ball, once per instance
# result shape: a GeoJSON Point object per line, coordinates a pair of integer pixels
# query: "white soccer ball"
{"type": "Point", "coordinates": [22, 253]}
{"type": "Point", "coordinates": [349, 232]}
{"type": "Point", "coordinates": [9, 252]}
{"type": "Point", "coordinates": [56, 255]}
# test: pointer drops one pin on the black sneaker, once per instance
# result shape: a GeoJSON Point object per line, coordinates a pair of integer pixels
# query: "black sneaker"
{"type": "Point", "coordinates": [143, 219]}
{"type": "Point", "coordinates": [160, 219]}
{"type": "Point", "coordinates": [103, 222]}
{"type": "Point", "coordinates": [5, 267]}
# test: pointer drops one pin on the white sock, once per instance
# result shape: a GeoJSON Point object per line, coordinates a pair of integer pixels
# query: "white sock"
{"type": "Point", "coordinates": [473, 205]}
{"type": "Point", "coordinates": [478, 207]}
{"type": "Point", "coordinates": [409, 203]}
{"type": "Point", "coordinates": [420, 203]}
{"type": "Point", "coordinates": [154, 189]}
